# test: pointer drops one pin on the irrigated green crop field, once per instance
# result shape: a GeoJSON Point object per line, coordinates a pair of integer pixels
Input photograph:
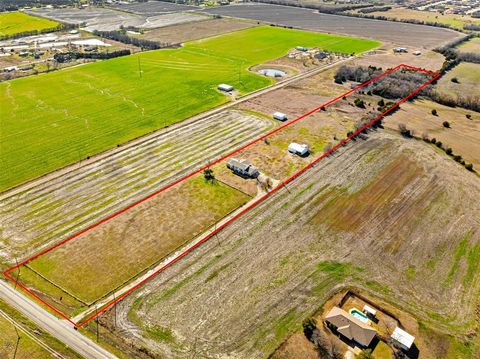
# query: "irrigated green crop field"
{"type": "Point", "coordinates": [16, 22]}
{"type": "Point", "coordinates": [52, 120]}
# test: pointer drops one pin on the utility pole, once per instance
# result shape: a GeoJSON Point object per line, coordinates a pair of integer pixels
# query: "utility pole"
{"type": "Point", "coordinates": [18, 273]}
{"type": "Point", "coordinates": [18, 341]}
{"type": "Point", "coordinates": [139, 67]}
{"type": "Point", "coordinates": [96, 319]}
{"type": "Point", "coordinates": [115, 310]}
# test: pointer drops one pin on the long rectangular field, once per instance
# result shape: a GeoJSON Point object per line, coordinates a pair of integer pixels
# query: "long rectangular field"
{"type": "Point", "coordinates": [138, 236]}
{"type": "Point", "coordinates": [16, 22]}
{"type": "Point", "coordinates": [46, 126]}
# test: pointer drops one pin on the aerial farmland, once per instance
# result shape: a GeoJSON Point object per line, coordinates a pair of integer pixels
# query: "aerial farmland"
{"type": "Point", "coordinates": [235, 180]}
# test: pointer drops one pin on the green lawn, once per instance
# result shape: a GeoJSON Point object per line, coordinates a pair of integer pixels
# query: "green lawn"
{"type": "Point", "coordinates": [16, 22]}
{"type": "Point", "coordinates": [52, 120]}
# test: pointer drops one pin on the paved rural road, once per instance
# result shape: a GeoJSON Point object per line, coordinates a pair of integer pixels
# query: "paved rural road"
{"type": "Point", "coordinates": [60, 329]}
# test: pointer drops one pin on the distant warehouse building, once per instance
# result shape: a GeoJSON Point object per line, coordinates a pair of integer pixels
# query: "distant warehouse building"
{"type": "Point", "coordinates": [225, 88]}
{"type": "Point", "coordinates": [242, 168]}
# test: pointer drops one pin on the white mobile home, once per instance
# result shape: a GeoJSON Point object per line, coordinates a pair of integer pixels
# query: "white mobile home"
{"type": "Point", "coordinates": [403, 338]}
{"type": "Point", "coordinates": [225, 88]}
{"type": "Point", "coordinates": [298, 149]}
{"type": "Point", "coordinates": [280, 116]}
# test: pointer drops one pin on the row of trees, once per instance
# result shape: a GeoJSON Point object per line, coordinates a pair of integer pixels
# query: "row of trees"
{"type": "Point", "coordinates": [323, 8]}
{"type": "Point", "coordinates": [121, 36]}
{"type": "Point", "coordinates": [70, 56]}
{"type": "Point", "coordinates": [12, 5]}
{"type": "Point", "coordinates": [373, 9]}
{"type": "Point", "coordinates": [398, 84]}
{"type": "Point", "coordinates": [357, 74]}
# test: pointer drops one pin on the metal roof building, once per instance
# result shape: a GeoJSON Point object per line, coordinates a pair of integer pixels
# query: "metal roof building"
{"type": "Point", "coordinates": [403, 338]}
{"type": "Point", "coordinates": [225, 87]}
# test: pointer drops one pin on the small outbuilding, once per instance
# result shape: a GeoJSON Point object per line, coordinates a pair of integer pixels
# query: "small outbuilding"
{"type": "Point", "coordinates": [301, 48]}
{"type": "Point", "coordinates": [225, 88]}
{"type": "Point", "coordinates": [417, 53]}
{"type": "Point", "coordinates": [400, 49]}
{"type": "Point", "coordinates": [368, 310]}
{"type": "Point", "coordinates": [243, 168]}
{"type": "Point", "coordinates": [280, 116]}
{"type": "Point", "coordinates": [404, 339]}
{"type": "Point", "coordinates": [10, 68]}
{"type": "Point", "coordinates": [298, 149]}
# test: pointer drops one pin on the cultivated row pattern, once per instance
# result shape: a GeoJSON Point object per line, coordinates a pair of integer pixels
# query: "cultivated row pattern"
{"type": "Point", "coordinates": [61, 207]}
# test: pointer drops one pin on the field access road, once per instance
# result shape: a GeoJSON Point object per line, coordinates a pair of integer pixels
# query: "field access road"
{"type": "Point", "coordinates": [60, 329]}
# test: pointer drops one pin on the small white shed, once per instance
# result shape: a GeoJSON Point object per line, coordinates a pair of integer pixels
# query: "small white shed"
{"type": "Point", "coordinates": [225, 87]}
{"type": "Point", "coordinates": [369, 310]}
{"type": "Point", "coordinates": [403, 338]}
{"type": "Point", "coordinates": [298, 149]}
{"type": "Point", "coordinates": [280, 116]}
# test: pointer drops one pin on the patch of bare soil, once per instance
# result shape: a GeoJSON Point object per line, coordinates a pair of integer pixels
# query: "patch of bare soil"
{"type": "Point", "coordinates": [298, 98]}
{"type": "Point", "coordinates": [385, 58]}
{"type": "Point", "coordinates": [197, 30]}
{"type": "Point", "coordinates": [413, 243]}
{"type": "Point", "coordinates": [297, 346]}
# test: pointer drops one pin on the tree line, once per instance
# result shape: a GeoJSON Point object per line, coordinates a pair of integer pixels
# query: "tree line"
{"type": "Point", "coordinates": [122, 37]}
{"type": "Point", "coordinates": [12, 5]}
{"type": "Point", "coordinates": [400, 83]}
{"type": "Point", "coordinates": [323, 8]}
{"type": "Point", "coordinates": [70, 56]}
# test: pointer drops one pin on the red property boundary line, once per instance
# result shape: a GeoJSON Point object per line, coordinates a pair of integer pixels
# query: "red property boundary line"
{"type": "Point", "coordinates": [435, 75]}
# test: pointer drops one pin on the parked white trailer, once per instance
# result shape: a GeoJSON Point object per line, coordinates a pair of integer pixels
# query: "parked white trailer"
{"type": "Point", "coordinates": [298, 149]}
{"type": "Point", "coordinates": [225, 87]}
{"type": "Point", "coordinates": [280, 116]}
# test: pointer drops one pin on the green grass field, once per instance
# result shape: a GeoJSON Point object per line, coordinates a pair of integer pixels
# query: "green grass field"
{"type": "Point", "coordinates": [16, 22]}
{"type": "Point", "coordinates": [55, 119]}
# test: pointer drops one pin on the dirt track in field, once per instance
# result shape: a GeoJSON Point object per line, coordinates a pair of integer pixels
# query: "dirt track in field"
{"type": "Point", "coordinates": [56, 209]}
{"type": "Point", "coordinates": [198, 30]}
{"type": "Point", "coordinates": [382, 208]}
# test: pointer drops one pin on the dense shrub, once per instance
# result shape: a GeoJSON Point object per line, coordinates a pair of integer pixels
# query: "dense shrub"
{"type": "Point", "coordinates": [69, 56]}
{"type": "Point", "coordinates": [120, 36]}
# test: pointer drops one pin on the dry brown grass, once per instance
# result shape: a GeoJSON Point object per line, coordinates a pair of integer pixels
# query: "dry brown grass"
{"type": "Point", "coordinates": [462, 136]}
{"type": "Point", "coordinates": [97, 262]}
{"type": "Point", "coordinates": [196, 30]}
